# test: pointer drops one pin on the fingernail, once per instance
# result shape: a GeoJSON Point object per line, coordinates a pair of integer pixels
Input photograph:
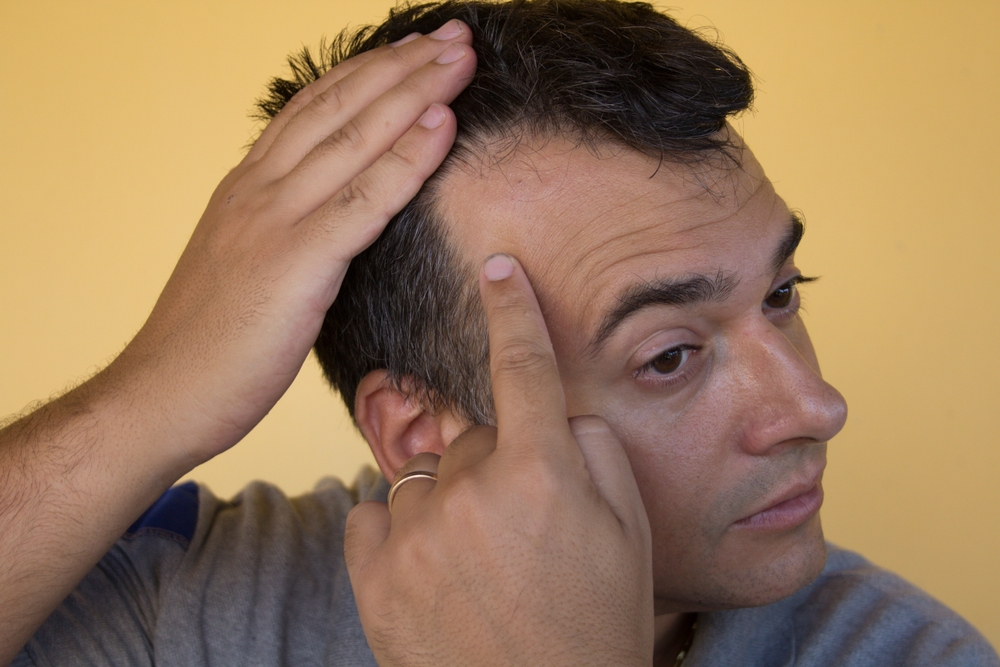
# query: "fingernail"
{"type": "Point", "coordinates": [498, 267]}
{"type": "Point", "coordinates": [432, 118]}
{"type": "Point", "coordinates": [409, 38]}
{"type": "Point", "coordinates": [451, 54]}
{"type": "Point", "coordinates": [449, 30]}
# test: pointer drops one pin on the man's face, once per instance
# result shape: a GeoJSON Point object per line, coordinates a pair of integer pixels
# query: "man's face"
{"type": "Point", "coordinates": [669, 294]}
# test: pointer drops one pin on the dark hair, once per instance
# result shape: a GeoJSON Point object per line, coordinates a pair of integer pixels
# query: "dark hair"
{"type": "Point", "coordinates": [599, 71]}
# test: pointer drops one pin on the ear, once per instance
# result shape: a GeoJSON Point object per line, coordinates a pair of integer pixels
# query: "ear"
{"type": "Point", "coordinates": [398, 425]}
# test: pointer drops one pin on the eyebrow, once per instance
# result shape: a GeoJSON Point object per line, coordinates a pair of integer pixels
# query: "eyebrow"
{"type": "Point", "coordinates": [789, 243]}
{"type": "Point", "coordinates": [688, 290]}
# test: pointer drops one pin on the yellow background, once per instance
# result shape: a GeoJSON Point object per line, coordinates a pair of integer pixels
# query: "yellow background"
{"type": "Point", "coordinates": [877, 119]}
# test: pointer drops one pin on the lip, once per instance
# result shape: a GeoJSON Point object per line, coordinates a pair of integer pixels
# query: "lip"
{"type": "Point", "coordinates": [789, 510]}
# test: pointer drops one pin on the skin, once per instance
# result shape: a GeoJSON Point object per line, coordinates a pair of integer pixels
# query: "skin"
{"type": "Point", "coordinates": [235, 322]}
{"type": "Point", "coordinates": [532, 547]}
{"type": "Point", "coordinates": [555, 537]}
{"type": "Point", "coordinates": [541, 516]}
{"type": "Point", "coordinates": [743, 420]}
{"type": "Point", "coordinates": [733, 419]}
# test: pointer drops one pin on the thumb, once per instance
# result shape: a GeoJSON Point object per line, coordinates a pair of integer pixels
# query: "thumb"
{"type": "Point", "coordinates": [366, 529]}
{"type": "Point", "coordinates": [610, 471]}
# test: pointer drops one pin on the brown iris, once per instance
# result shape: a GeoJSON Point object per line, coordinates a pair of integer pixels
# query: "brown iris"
{"type": "Point", "coordinates": [669, 361]}
{"type": "Point", "coordinates": [781, 297]}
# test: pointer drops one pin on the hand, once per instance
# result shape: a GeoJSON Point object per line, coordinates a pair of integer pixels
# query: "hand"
{"type": "Point", "coordinates": [247, 299]}
{"type": "Point", "coordinates": [533, 546]}
{"type": "Point", "coordinates": [234, 323]}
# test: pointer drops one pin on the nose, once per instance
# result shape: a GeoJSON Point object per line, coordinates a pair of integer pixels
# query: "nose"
{"type": "Point", "coordinates": [781, 392]}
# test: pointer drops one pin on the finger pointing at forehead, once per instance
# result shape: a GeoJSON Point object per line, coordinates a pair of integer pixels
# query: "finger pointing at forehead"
{"type": "Point", "coordinates": [527, 392]}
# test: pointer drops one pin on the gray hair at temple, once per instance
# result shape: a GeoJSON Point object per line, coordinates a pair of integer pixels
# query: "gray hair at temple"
{"type": "Point", "coordinates": [601, 72]}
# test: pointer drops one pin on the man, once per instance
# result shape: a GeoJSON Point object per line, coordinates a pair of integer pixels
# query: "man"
{"type": "Point", "coordinates": [663, 264]}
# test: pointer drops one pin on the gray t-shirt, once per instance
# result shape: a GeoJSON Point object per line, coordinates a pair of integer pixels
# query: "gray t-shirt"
{"type": "Point", "coordinates": [261, 580]}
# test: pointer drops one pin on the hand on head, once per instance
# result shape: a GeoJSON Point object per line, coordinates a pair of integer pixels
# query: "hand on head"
{"type": "Point", "coordinates": [532, 547]}
{"type": "Point", "coordinates": [235, 322]}
{"type": "Point", "coordinates": [249, 295]}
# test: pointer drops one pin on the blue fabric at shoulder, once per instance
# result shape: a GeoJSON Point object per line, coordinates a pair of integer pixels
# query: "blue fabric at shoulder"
{"type": "Point", "coordinates": [173, 516]}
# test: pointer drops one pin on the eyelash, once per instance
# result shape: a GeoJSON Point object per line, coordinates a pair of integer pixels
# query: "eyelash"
{"type": "Point", "coordinates": [682, 374]}
{"type": "Point", "coordinates": [795, 304]}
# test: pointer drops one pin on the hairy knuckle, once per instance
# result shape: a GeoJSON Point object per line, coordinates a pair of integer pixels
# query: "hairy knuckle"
{"type": "Point", "coordinates": [347, 138]}
{"type": "Point", "coordinates": [355, 194]}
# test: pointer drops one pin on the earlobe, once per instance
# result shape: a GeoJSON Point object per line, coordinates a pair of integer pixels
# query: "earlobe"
{"type": "Point", "coordinates": [396, 422]}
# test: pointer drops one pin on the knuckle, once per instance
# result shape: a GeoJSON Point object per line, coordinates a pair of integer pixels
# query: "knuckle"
{"type": "Point", "coordinates": [481, 436]}
{"type": "Point", "coordinates": [356, 194]}
{"type": "Point", "coordinates": [299, 100]}
{"type": "Point", "coordinates": [467, 508]}
{"type": "Point", "coordinates": [398, 58]}
{"type": "Point", "coordinates": [541, 483]}
{"type": "Point", "coordinates": [421, 552]}
{"type": "Point", "coordinates": [347, 138]}
{"type": "Point", "coordinates": [521, 357]}
{"type": "Point", "coordinates": [356, 206]}
{"type": "Point", "coordinates": [354, 526]}
{"type": "Point", "coordinates": [331, 100]}
{"type": "Point", "coordinates": [413, 88]}
{"type": "Point", "coordinates": [470, 442]}
{"type": "Point", "coordinates": [463, 495]}
{"type": "Point", "coordinates": [402, 157]}
{"type": "Point", "coordinates": [588, 425]}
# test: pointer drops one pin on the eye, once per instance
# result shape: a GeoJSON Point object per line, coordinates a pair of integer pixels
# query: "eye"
{"type": "Point", "coordinates": [670, 361]}
{"type": "Point", "coordinates": [784, 297]}
{"type": "Point", "coordinates": [781, 297]}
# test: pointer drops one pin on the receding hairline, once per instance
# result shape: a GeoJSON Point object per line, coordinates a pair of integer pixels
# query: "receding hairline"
{"type": "Point", "coordinates": [475, 151]}
{"type": "Point", "coordinates": [663, 86]}
{"type": "Point", "coordinates": [471, 156]}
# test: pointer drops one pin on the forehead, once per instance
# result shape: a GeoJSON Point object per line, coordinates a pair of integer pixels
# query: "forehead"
{"type": "Point", "coordinates": [586, 225]}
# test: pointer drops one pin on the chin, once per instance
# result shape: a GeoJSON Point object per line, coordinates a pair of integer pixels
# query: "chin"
{"type": "Point", "coordinates": [744, 571]}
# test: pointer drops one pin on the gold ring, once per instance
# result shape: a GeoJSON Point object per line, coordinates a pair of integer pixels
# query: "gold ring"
{"type": "Point", "coordinates": [403, 479]}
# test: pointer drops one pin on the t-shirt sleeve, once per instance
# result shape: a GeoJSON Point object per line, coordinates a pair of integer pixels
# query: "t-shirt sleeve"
{"type": "Point", "coordinates": [109, 618]}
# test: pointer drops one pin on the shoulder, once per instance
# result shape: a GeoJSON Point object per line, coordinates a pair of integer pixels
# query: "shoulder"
{"type": "Point", "coordinates": [262, 518]}
{"type": "Point", "coordinates": [189, 515]}
{"type": "Point", "coordinates": [854, 614]}
{"type": "Point", "coordinates": [266, 570]}
{"type": "Point", "coordinates": [202, 580]}
{"type": "Point", "coordinates": [174, 516]}
{"type": "Point", "coordinates": [860, 610]}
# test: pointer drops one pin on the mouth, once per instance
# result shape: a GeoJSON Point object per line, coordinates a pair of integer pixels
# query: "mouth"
{"type": "Point", "coordinates": [789, 510]}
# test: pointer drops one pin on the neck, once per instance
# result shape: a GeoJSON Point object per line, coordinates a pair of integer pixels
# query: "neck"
{"type": "Point", "coordinates": [672, 632]}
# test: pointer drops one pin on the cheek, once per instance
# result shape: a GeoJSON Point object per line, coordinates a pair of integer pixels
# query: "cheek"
{"type": "Point", "coordinates": [682, 458]}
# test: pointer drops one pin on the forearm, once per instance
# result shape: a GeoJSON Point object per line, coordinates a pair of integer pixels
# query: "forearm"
{"type": "Point", "coordinates": [235, 321]}
{"type": "Point", "coordinates": [74, 474]}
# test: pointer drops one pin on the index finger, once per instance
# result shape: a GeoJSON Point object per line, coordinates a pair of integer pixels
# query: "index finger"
{"type": "Point", "coordinates": [527, 391]}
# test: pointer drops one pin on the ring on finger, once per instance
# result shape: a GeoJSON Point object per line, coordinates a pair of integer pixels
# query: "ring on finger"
{"type": "Point", "coordinates": [407, 477]}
